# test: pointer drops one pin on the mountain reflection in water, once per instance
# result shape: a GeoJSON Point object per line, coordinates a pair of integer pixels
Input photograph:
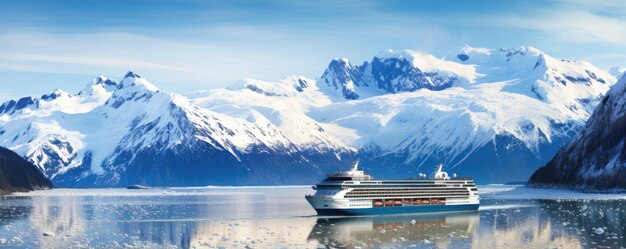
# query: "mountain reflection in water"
{"type": "Point", "coordinates": [395, 231]}
{"type": "Point", "coordinates": [281, 218]}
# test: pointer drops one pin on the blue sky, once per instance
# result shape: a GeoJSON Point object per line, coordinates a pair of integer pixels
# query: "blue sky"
{"type": "Point", "coordinates": [188, 45]}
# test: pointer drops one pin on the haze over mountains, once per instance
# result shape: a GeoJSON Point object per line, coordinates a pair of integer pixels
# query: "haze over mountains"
{"type": "Point", "coordinates": [492, 114]}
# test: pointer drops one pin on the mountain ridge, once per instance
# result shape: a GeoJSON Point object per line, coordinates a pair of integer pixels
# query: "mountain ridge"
{"type": "Point", "coordinates": [506, 111]}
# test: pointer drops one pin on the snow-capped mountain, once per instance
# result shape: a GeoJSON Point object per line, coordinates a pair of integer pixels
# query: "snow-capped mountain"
{"type": "Point", "coordinates": [392, 72]}
{"type": "Point", "coordinates": [282, 104]}
{"type": "Point", "coordinates": [140, 134]}
{"type": "Point", "coordinates": [505, 112]}
{"type": "Point", "coordinates": [596, 157]}
{"type": "Point", "coordinates": [575, 87]}
{"type": "Point", "coordinates": [492, 114]}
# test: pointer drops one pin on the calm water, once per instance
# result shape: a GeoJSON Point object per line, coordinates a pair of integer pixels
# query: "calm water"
{"type": "Point", "coordinates": [281, 218]}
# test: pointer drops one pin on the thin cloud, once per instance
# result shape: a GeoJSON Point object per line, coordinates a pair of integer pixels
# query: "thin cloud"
{"type": "Point", "coordinates": [568, 25]}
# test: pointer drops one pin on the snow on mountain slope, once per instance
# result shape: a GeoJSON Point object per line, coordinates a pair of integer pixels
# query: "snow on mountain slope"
{"type": "Point", "coordinates": [48, 130]}
{"type": "Point", "coordinates": [412, 131]}
{"type": "Point", "coordinates": [392, 72]}
{"type": "Point", "coordinates": [596, 157]}
{"type": "Point", "coordinates": [144, 135]}
{"type": "Point", "coordinates": [506, 112]}
{"type": "Point", "coordinates": [495, 115]}
{"type": "Point", "coordinates": [94, 94]}
{"type": "Point", "coordinates": [456, 119]}
{"type": "Point", "coordinates": [492, 114]}
{"type": "Point", "coordinates": [283, 104]}
{"type": "Point", "coordinates": [572, 86]}
{"type": "Point", "coordinates": [575, 87]}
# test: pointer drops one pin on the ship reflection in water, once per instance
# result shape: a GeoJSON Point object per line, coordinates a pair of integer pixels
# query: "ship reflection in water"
{"type": "Point", "coordinates": [281, 218]}
{"type": "Point", "coordinates": [440, 230]}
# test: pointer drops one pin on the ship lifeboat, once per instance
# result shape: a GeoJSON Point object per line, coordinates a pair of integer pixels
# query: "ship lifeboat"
{"type": "Point", "coordinates": [434, 201]}
{"type": "Point", "coordinates": [397, 202]}
{"type": "Point", "coordinates": [425, 201]}
{"type": "Point", "coordinates": [442, 200]}
{"type": "Point", "coordinates": [388, 202]}
{"type": "Point", "coordinates": [378, 203]}
{"type": "Point", "coordinates": [416, 202]}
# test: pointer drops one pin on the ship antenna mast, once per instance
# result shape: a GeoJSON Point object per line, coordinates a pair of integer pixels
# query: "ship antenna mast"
{"type": "Point", "coordinates": [356, 165]}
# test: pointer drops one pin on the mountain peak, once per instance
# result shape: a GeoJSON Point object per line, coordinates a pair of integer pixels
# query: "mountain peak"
{"type": "Point", "coordinates": [54, 94]}
{"type": "Point", "coordinates": [339, 62]}
{"type": "Point", "coordinates": [132, 88]}
{"type": "Point", "coordinates": [131, 74]}
{"type": "Point", "coordinates": [100, 84]}
{"type": "Point", "coordinates": [102, 80]}
{"type": "Point", "coordinates": [132, 79]}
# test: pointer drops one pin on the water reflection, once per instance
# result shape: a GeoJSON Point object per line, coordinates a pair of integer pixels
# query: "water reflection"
{"type": "Point", "coordinates": [280, 218]}
{"type": "Point", "coordinates": [527, 227]}
{"type": "Point", "coordinates": [598, 224]}
{"type": "Point", "coordinates": [396, 231]}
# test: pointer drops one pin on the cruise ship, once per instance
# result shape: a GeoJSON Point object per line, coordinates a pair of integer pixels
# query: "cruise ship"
{"type": "Point", "coordinates": [353, 192]}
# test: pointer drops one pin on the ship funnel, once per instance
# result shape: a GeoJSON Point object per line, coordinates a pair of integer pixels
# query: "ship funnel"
{"type": "Point", "coordinates": [440, 174]}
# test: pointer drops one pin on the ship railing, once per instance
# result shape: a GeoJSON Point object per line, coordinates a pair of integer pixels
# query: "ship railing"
{"type": "Point", "coordinates": [432, 178]}
{"type": "Point", "coordinates": [346, 174]}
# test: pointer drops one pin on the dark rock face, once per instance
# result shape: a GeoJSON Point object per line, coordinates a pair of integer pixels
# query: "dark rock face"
{"type": "Point", "coordinates": [18, 175]}
{"type": "Point", "coordinates": [12, 105]}
{"type": "Point", "coordinates": [394, 75]}
{"type": "Point", "coordinates": [342, 76]}
{"type": "Point", "coordinates": [391, 75]}
{"type": "Point", "coordinates": [596, 158]}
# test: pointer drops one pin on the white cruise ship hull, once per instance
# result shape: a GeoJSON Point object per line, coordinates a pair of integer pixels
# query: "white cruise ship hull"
{"type": "Point", "coordinates": [328, 206]}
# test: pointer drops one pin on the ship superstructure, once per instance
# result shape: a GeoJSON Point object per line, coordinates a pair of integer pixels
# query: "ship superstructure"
{"type": "Point", "coordinates": [353, 192]}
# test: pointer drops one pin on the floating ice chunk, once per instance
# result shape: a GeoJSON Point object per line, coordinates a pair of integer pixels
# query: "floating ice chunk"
{"type": "Point", "coordinates": [599, 230]}
{"type": "Point", "coordinates": [51, 234]}
{"type": "Point", "coordinates": [17, 240]}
